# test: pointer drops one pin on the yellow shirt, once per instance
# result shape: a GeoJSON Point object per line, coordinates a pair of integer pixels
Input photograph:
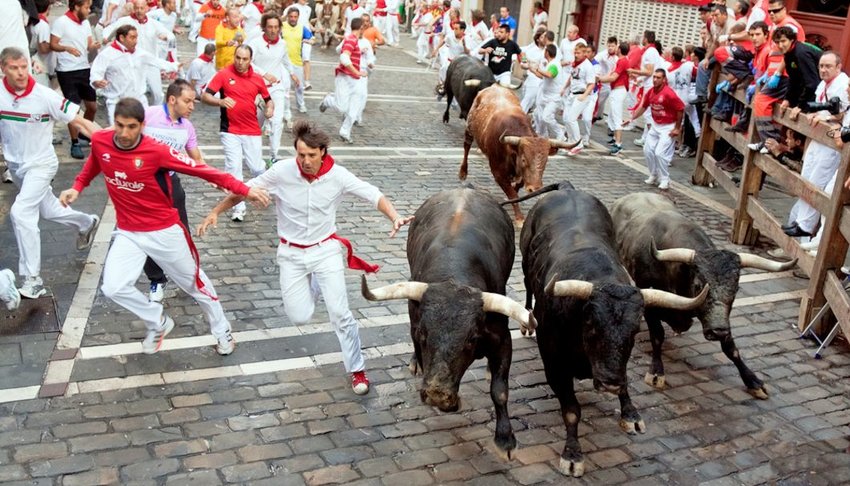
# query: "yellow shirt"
{"type": "Point", "coordinates": [223, 52]}
{"type": "Point", "coordinates": [293, 36]}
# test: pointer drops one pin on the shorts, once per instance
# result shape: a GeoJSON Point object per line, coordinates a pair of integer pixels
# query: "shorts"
{"type": "Point", "coordinates": [75, 85]}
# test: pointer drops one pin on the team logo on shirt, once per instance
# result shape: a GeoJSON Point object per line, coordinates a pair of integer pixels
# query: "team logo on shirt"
{"type": "Point", "coordinates": [119, 181]}
{"type": "Point", "coordinates": [107, 158]}
{"type": "Point", "coordinates": [232, 81]}
{"type": "Point", "coordinates": [138, 162]}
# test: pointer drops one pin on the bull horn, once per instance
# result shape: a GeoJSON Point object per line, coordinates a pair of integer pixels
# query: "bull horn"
{"type": "Point", "coordinates": [562, 144]}
{"type": "Point", "coordinates": [577, 289]}
{"type": "Point", "coordinates": [510, 308]}
{"type": "Point", "coordinates": [472, 83]}
{"type": "Point", "coordinates": [748, 260]}
{"type": "Point", "coordinates": [669, 300]}
{"type": "Point", "coordinates": [678, 255]}
{"type": "Point", "coordinates": [401, 290]}
{"type": "Point", "coordinates": [509, 139]}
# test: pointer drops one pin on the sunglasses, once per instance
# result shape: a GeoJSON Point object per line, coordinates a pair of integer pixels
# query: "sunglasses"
{"type": "Point", "coordinates": [775, 10]}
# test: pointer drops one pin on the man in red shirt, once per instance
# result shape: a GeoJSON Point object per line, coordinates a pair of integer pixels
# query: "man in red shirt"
{"type": "Point", "coordinates": [667, 112]}
{"type": "Point", "coordinates": [238, 86]}
{"type": "Point", "coordinates": [346, 97]}
{"type": "Point", "coordinates": [148, 225]}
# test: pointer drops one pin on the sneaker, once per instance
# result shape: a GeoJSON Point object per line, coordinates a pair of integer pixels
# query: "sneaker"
{"type": "Point", "coordinates": [359, 383]}
{"type": "Point", "coordinates": [77, 151]}
{"type": "Point", "coordinates": [7, 176]}
{"type": "Point", "coordinates": [639, 142]}
{"type": "Point", "coordinates": [755, 146]}
{"type": "Point", "coordinates": [84, 140]}
{"type": "Point", "coordinates": [323, 106]}
{"type": "Point", "coordinates": [307, 86]}
{"type": "Point", "coordinates": [612, 142]}
{"type": "Point", "coordinates": [688, 153]}
{"type": "Point", "coordinates": [346, 139]}
{"type": "Point", "coordinates": [664, 185]}
{"type": "Point", "coordinates": [237, 216]}
{"type": "Point", "coordinates": [651, 180]}
{"type": "Point", "coordinates": [153, 340]}
{"type": "Point", "coordinates": [85, 238]}
{"type": "Point", "coordinates": [302, 109]}
{"type": "Point", "coordinates": [157, 292]}
{"type": "Point", "coordinates": [764, 151]}
{"type": "Point", "coordinates": [226, 344]}
{"type": "Point", "coordinates": [33, 288]}
{"type": "Point", "coordinates": [615, 149]}
{"type": "Point", "coordinates": [10, 296]}
{"type": "Point", "coordinates": [777, 253]}
{"type": "Point", "coordinates": [576, 150]}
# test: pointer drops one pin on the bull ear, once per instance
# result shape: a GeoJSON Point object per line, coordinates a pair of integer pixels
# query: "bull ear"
{"type": "Point", "coordinates": [748, 260]}
{"type": "Point", "coordinates": [660, 298]}
{"type": "Point", "coordinates": [401, 290]}
{"type": "Point", "coordinates": [577, 289]}
{"type": "Point", "coordinates": [508, 307]}
{"type": "Point", "coordinates": [677, 255]}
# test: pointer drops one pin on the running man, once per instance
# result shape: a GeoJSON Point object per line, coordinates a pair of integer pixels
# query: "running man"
{"type": "Point", "coordinates": [345, 98]}
{"type": "Point", "coordinates": [307, 191]}
{"type": "Point", "coordinates": [148, 225]}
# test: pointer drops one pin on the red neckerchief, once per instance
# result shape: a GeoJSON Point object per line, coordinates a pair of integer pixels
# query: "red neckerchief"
{"type": "Point", "coordinates": [355, 7]}
{"type": "Point", "coordinates": [133, 16]}
{"type": "Point", "coordinates": [44, 18]}
{"type": "Point", "coordinates": [576, 63]}
{"type": "Point", "coordinates": [260, 6]}
{"type": "Point", "coordinates": [246, 74]}
{"type": "Point", "coordinates": [822, 97]}
{"type": "Point", "coordinates": [27, 90]}
{"type": "Point", "coordinates": [119, 46]}
{"type": "Point", "coordinates": [327, 164]}
{"type": "Point", "coordinates": [270, 43]}
{"type": "Point", "coordinates": [674, 65]}
{"type": "Point", "coordinates": [71, 15]}
{"type": "Point", "coordinates": [205, 58]}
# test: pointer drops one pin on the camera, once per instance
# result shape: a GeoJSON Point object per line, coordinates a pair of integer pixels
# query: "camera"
{"type": "Point", "coordinates": [845, 134]}
{"type": "Point", "coordinates": [833, 106]}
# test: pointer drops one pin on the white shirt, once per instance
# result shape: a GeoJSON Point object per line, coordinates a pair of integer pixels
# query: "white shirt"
{"type": "Point", "coordinates": [567, 49]}
{"type": "Point", "coordinates": [304, 13]}
{"type": "Point", "coordinates": [367, 56]}
{"type": "Point", "coordinates": [26, 125]}
{"type": "Point", "coordinates": [306, 212]}
{"type": "Point", "coordinates": [271, 59]}
{"type": "Point", "coordinates": [119, 7]}
{"type": "Point", "coordinates": [72, 34]}
{"type": "Point", "coordinates": [149, 32]}
{"type": "Point", "coordinates": [41, 33]}
{"type": "Point", "coordinates": [350, 15]}
{"type": "Point", "coordinates": [454, 46]}
{"type": "Point", "coordinates": [12, 33]}
{"type": "Point", "coordinates": [680, 80]}
{"type": "Point", "coordinates": [533, 55]}
{"type": "Point", "coordinates": [540, 18]}
{"type": "Point", "coordinates": [651, 56]}
{"type": "Point", "coordinates": [168, 20]}
{"type": "Point", "coordinates": [550, 88]}
{"type": "Point", "coordinates": [477, 34]}
{"type": "Point", "coordinates": [582, 75]}
{"type": "Point", "coordinates": [607, 62]}
{"type": "Point", "coordinates": [200, 72]}
{"type": "Point", "coordinates": [125, 71]}
{"type": "Point", "coordinates": [836, 89]}
{"type": "Point", "coordinates": [252, 16]}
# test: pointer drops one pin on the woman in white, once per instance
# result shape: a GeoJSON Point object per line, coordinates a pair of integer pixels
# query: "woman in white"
{"type": "Point", "coordinates": [532, 54]}
{"type": "Point", "coordinates": [539, 17]}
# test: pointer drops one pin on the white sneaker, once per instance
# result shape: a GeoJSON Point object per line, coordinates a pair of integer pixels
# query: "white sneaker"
{"type": "Point", "coordinates": [7, 176]}
{"type": "Point", "coordinates": [651, 180]}
{"type": "Point", "coordinates": [153, 340]}
{"type": "Point", "coordinates": [10, 295]}
{"type": "Point", "coordinates": [226, 345]}
{"type": "Point", "coordinates": [302, 109]}
{"type": "Point", "coordinates": [664, 185]}
{"type": "Point", "coordinates": [85, 238]}
{"type": "Point", "coordinates": [238, 216]}
{"type": "Point", "coordinates": [33, 288]}
{"type": "Point", "coordinates": [157, 292]}
{"type": "Point", "coordinates": [640, 142]}
{"type": "Point", "coordinates": [777, 253]}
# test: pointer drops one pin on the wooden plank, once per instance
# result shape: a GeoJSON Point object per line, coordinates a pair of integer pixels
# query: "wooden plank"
{"type": "Point", "coordinates": [772, 228]}
{"type": "Point", "coordinates": [723, 179]}
{"type": "Point", "coordinates": [793, 182]}
{"type": "Point", "coordinates": [743, 232]}
{"type": "Point", "coordinates": [844, 224]}
{"type": "Point", "coordinates": [736, 140]}
{"type": "Point", "coordinates": [802, 126]}
{"type": "Point", "coordinates": [701, 176]}
{"type": "Point", "coordinates": [839, 301]}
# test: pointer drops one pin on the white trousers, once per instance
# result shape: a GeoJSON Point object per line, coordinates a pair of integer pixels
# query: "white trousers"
{"type": "Point", "coordinates": [35, 200]}
{"type": "Point", "coordinates": [238, 148]}
{"type": "Point", "coordinates": [828, 190]}
{"type": "Point", "coordinates": [298, 71]}
{"type": "Point", "coordinates": [530, 89]}
{"type": "Point", "coordinates": [545, 119]}
{"type": "Point", "coordinates": [281, 101]}
{"type": "Point", "coordinates": [573, 108]}
{"type": "Point", "coordinates": [504, 79]}
{"type": "Point", "coordinates": [693, 116]}
{"type": "Point", "coordinates": [423, 47]}
{"type": "Point", "coordinates": [587, 116]}
{"type": "Point", "coordinates": [616, 107]}
{"type": "Point", "coordinates": [325, 262]}
{"type": "Point", "coordinates": [603, 94]}
{"type": "Point", "coordinates": [820, 164]}
{"type": "Point", "coordinates": [390, 31]}
{"type": "Point", "coordinates": [344, 100]}
{"type": "Point", "coordinates": [658, 149]}
{"type": "Point", "coordinates": [170, 250]}
{"type": "Point", "coordinates": [153, 81]}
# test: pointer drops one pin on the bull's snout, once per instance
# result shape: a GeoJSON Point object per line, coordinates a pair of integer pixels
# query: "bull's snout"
{"type": "Point", "coordinates": [446, 401]}
{"type": "Point", "coordinates": [532, 187]}
{"type": "Point", "coordinates": [607, 387]}
{"type": "Point", "coordinates": [716, 334]}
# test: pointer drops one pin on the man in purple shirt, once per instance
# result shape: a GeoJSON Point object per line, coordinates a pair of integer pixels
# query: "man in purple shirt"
{"type": "Point", "coordinates": [169, 123]}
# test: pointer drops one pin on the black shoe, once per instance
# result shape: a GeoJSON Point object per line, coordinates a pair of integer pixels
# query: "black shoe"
{"type": "Point", "coordinates": [610, 132]}
{"type": "Point", "coordinates": [612, 142]}
{"type": "Point", "coordinates": [786, 227]}
{"type": "Point", "coordinates": [797, 232]}
{"type": "Point", "coordinates": [77, 151]}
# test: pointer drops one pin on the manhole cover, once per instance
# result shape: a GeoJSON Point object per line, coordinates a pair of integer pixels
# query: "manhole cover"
{"type": "Point", "coordinates": [33, 316]}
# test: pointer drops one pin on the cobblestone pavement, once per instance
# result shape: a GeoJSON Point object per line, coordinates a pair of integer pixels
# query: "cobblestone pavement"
{"type": "Point", "coordinates": [279, 411]}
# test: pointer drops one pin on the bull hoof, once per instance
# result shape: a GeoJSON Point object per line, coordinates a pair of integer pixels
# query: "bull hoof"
{"type": "Point", "coordinates": [657, 381]}
{"type": "Point", "coordinates": [505, 454]}
{"type": "Point", "coordinates": [760, 393]}
{"type": "Point", "coordinates": [574, 468]}
{"type": "Point", "coordinates": [461, 175]}
{"type": "Point", "coordinates": [631, 427]}
{"type": "Point", "coordinates": [414, 367]}
{"type": "Point", "coordinates": [487, 375]}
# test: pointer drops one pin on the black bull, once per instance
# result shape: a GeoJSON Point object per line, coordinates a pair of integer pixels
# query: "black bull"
{"type": "Point", "coordinates": [465, 77]}
{"type": "Point", "coordinates": [586, 323]}
{"type": "Point", "coordinates": [461, 249]}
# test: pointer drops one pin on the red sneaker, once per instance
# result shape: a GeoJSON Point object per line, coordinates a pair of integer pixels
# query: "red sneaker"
{"type": "Point", "coordinates": [359, 383]}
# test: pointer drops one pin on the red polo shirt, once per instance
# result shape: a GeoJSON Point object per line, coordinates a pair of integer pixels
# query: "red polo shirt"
{"type": "Point", "coordinates": [242, 88]}
{"type": "Point", "coordinates": [621, 68]}
{"type": "Point", "coordinates": [664, 103]}
{"type": "Point", "coordinates": [349, 44]}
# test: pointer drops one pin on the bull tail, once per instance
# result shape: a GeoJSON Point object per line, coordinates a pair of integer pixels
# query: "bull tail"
{"type": "Point", "coordinates": [543, 190]}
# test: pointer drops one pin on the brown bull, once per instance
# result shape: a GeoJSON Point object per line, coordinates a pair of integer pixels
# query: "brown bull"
{"type": "Point", "coordinates": [503, 132]}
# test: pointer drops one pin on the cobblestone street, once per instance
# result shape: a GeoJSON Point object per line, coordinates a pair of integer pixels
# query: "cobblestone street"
{"type": "Point", "coordinates": [86, 407]}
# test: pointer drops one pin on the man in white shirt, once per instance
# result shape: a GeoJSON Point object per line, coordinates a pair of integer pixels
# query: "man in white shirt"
{"type": "Point", "coordinates": [150, 33]}
{"type": "Point", "coordinates": [452, 45]}
{"type": "Point", "coordinates": [251, 14]}
{"type": "Point", "coordinates": [71, 39]}
{"type": "Point", "coordinates": [167, 16]}
{"type": "Point", "coordinates": [202, 69]}
{"type": "Point", "coordinates": [118, 70]}
{"type": "Point", "coordinates": [26, 129]}
{"type": "Point", "coordinates": [607, 59]}
{"type": "Point", "coordinates": [41, 45]}
{"type": "Point", "coordinates": [532, 55]}
{"type": "Point", "coordinates": [577, 96]}
{"type": "Point", "coordinates": [391, 23]}
{"type": "Point", "coordinates": [352, 11]}
{"type": "Point", "coordinates": [307, 191]}
{"type": "Point", "coordinates": [568, 46]}
{"type": "Point", "coordinates": [551, 75]}
{"type": "Point", "coordinates": [271, 61]}
{"type": "Point", "coordinates": [12, 27]}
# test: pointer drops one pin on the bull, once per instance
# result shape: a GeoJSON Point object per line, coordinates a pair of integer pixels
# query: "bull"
{"type": "Point", "coordinates": [517, 156]}
{"type": "Point", "coordinates": [465, 77]}
{"type": "Point", "coordinates": [663, 249]}
{"type": "Point", "coordinates": [587, 308]}
{"type": "Point", "coordinates": [460, 247]}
